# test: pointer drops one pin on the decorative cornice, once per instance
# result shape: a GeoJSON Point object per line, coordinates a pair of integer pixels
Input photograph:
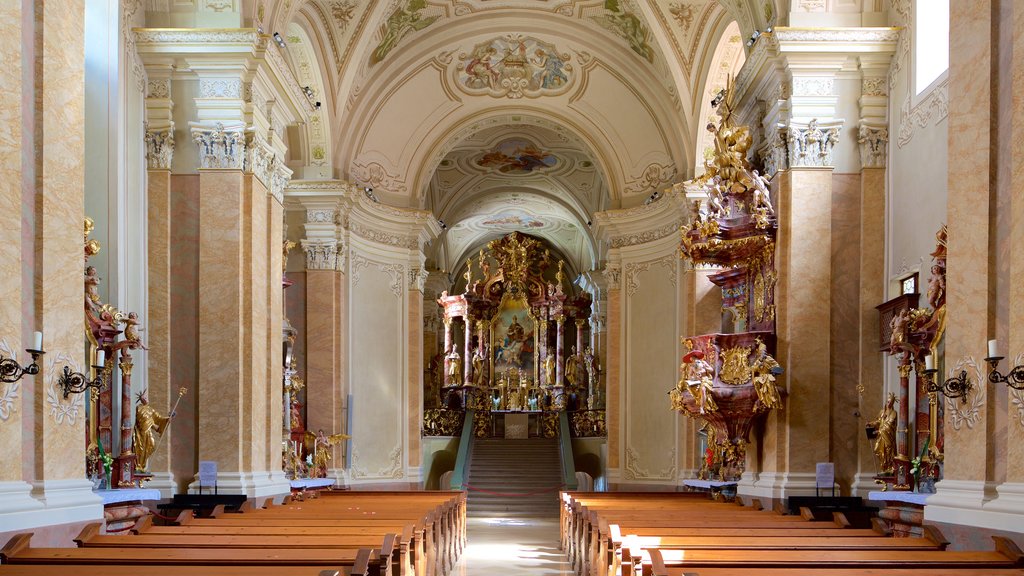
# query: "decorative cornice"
{"type": "Point", "coordinates": [418, 280]}
{"type": "Point", "coordinates": [221, 88]}
{"type": "Point", "coordinates": [160, 88]}
{"type": "Point", "coordinates": [196, 35]}
{"type": "Point", "coordinates": [874, 141]}
{"type": "Point", "coordinates": [159, 148]}
{"type": "Point", "coordinates": [321, 254]}
{"type": "Point", "coordinates": [613, 274]}
{"type": "Point", "coordinates": [220, 147]}
{"type": "Point", "coordinates": [381, 237]}
{"type": "Point", "coordinates": [320, 215]}
{"type": "Point", "coordinates": [837, 35]}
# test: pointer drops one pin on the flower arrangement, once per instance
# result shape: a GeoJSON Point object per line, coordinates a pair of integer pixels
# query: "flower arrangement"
{"type": "Point", "coordinates": [107, 460]}
{"type": "Point", "coordinates": [916, 464]}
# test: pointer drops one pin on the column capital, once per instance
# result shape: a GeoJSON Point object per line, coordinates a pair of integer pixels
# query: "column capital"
{"type": "Point", "coordinates": [321, 253]}
{"type": "Point", "coordinates": [874, 144]}
{"type": "Point", "coordinates": [811, 143]}
{"type": "Point", "coordinates": [418, 278]}
{"type": "Point", "coordinates": [159, 147]}
{"type": "Point", "coordinates": [220, 146]}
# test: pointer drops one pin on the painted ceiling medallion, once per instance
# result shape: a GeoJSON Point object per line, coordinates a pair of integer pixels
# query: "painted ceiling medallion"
{"type": "Point", "coordinates": [513, 221]}
{"type": "Point", "coordinates": [514, 66]}
{"type": "Point", "coordinates": [516, 157]}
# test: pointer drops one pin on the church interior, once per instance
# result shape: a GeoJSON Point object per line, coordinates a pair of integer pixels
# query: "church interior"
{"type": "Point", "coordinates": [458, 264]}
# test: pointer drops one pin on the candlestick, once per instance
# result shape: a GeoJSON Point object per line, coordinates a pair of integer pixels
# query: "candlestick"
{"type": "Point", "coordinates": [993, 349]}
{"type": "Point", "coordinates": [37, 341]}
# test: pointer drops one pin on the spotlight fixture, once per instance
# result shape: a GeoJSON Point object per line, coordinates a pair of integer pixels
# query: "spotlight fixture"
{"type": "Point", "coordinates": [317, 104]}
{"type": "Point", "coordinates": [443, 225]}
{"type": "Point", "coordinates": [589, 223]}
{"type": "Point", "coordinates": [753, 38]}
{"type": "Point", "coordinates": [279, 40]}
{"type": "Point", "coordinates": [653, 197]}
{"type": "Point", "coordinates": [718, 98]}
{"type": "Point", "coordinates": [368, 191]}
{"type": "Point", "coordinates": [307, 91]}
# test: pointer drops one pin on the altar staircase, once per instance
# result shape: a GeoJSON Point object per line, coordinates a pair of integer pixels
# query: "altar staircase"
{"type": "Point", "coordinates": [514, 478]}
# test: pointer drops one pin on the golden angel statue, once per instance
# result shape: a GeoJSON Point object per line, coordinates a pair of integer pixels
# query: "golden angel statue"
{"type": "Point", "coordinates": [572, 368]}
{"type": "Point", "coordinates": [549, 369]}
{"type": "Point", "coordinates": [319, 445]}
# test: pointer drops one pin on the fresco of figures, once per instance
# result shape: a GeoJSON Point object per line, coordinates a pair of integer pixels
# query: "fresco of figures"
{"type": "Point", "coordinates": [514, 66]}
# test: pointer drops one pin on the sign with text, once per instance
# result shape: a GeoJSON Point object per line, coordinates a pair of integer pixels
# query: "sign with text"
{"type": "Point", "coordinates": [207, 473]}
{"type": "Point", "coordinates": [825, 475]}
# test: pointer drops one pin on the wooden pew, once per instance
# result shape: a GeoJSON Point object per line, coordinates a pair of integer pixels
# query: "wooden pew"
{"type": "Point", "coordinates": [777, 562]}
{"type": "Point", "coordinates": [207, 561]}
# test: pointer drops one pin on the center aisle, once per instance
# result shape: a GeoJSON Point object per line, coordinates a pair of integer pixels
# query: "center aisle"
{"type": "Point", "coordinates": [512, 547]}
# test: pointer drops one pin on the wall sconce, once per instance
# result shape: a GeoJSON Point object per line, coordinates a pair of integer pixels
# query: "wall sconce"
{"type": "Point", "coordinates": [76, 382]}
{"type": "Point", "coordinates": [1014, 378]}
{"type": "Point", "coordinates": [956, 387]}
{"type": "Point", "coordinates": [11, 370]}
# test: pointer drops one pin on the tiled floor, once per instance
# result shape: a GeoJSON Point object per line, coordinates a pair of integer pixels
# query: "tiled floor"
{"type": "Point", "coordinates": [512, 547]}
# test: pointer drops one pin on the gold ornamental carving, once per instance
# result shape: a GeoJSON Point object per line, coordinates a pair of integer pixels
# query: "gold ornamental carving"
{"type": "Point", "coordinates": [735, 369]}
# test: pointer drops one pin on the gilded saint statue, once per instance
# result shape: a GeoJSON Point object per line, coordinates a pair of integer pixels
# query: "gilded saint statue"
{"type": "Point", "coordinates": [478, 368]}
{"type": "Point", "coordinates": [885, 441]}
{"type": "Point", "coordinates": [549, 369]}
{"type": "Point", "coordinates": [700, 381]}
{"type": "Point", "coordinates": [572, 368]}
{"type": "Point", "coordinates": [149, 425]}
{"type": "Point", "coordinates": [320, 444]}
{"type": "Point", "coordinates": [765, 368]}
{"type": "Point", "coordinates": [454, 367]}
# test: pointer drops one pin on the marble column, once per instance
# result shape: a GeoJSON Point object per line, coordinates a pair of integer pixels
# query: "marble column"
{"type": "Point", "coordinates": [414, 344]}
{"type": "Point", "coordinates": [970, 306]}
{"type": "Point", "coordinates": [273, 337]}
{"type": "Point", "coordinates": [323, 394]}
{"type": "Point", "coordinates": [542, 346]}
{"type": "Point", "coordinates": [17, 507]}
{"type": "Point", "coordinates": [872, 292]}
{"type": "Point", "coordinates": [161, 392]}
{"type": "Point", "coordinates": [804, 322]}
{"type": "Point", "coordinates": [560, 350]}
{"type": "Point", "coordinates": [58, 208]}
{"type": "Point", "coordinates": [579, 334]}
{"type": "Point", "coordinates": [467, 355]}
{"type": "Point", "coordinates": [613, 366]}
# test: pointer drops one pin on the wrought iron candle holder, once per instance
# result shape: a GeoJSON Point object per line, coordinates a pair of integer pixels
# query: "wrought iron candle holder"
{"type": "Point", "coordinates": [956, 387]}
{"type": "Point", "coordinates": [76, 382]}
{"type": "Point", "coordinates": [1014, 378]}
{"type": "Point", "coordinates": [12, 371]}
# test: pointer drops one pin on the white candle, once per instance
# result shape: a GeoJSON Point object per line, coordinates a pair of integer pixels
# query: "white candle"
{"type": "Point", "coordinates": [101, 358]}
{"type": "Point", "coordinates": [929, 364]}
{"type": "Point", "coordinates": [993, 350]}
{"type": "Point", "coordinates": [37, 343]}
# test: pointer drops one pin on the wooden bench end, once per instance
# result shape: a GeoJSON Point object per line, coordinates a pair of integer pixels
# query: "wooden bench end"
{"type": "Point", "coordinates": [142, 524]}
{"type": "Point", "coordinates": [89, 532]}
{"type": "Point", "coordinates": [246, 506]}
{"type": "Point", "coordinates": [657, 563]}
{"type": "Point", "coordinates": [806, 513]}
{"type": "Point", "coordinates": [361, 566]}
{"type": "Point", "coordinates": [755, 503]}
{"type": "Point", "coordinates": [935, 535]}
{"type": "Point", "coordinates": [840, 519]}
{"type": "Point", "coordinates": [286, 500]}
{"type": "Point", "coordinates": [880, 526]}
{"type": "Point", "coordinates": [14, 546]}
{"type": "Point", "coordinates": [184, 518]}
{"type": "Point", "coordinates": [217, 511]}
{"type": "Point", "coordinates": [1009, 548]}
{"type": "Point", "coordinates": [337, 573]}
{"type": "Point", "coordinates": [779, 509]}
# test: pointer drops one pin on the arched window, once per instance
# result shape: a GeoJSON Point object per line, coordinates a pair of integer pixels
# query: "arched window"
{"type": "Point", "coordinates": [931, 43]}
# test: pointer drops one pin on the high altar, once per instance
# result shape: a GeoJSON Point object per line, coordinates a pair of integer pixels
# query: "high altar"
{"type": "Point", "coordinates": [727, 379]}
{"type": "Point", "coordinates": [516, 340]}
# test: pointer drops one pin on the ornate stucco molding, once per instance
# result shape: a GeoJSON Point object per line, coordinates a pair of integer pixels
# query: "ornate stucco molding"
{"type": "Point", "coordinates": [8, 392]}
{"type": "Point", "coordinates": [645, 236]}
{"type": "Point", "coordinates": [321, 253]}
{"type": "Point", "coordinates": [220, 147]}
{"type": "Point", "coordinates": [634, 269]}
{"type": "Point", "coordinates": [158, 88]}
{"type": "Point", "coordinates": [418, 279]}
{"type": "Point", "coordinates": [811, 144]}
{"type": "Point", "coordinates": [159, 148]}
{"type": "Point", "coordinates": [320, 215]}
{"type": "Point", "coordinates": [969, 411]}
{"type": "Point", "coordinates": [933, 108]}
{"type": "Point", "coordinates": [63, 411]}
{"type": "Point", "coordinates": [874, 143]}
{"type": "Point", "coordinates": [221, 88]}
{"type": "Point", "coordinates": [773, 153]}
{"type": "Point", "coordinates": [613, 274]}
{"type": "Point", "coordinates": [837, 35]}
{"type": "Point", "coordinates": [279, 178]}
{"type": "Point", "coordinates": [381, 237]}
{"type": "Point", "coordinates": [196, 36]}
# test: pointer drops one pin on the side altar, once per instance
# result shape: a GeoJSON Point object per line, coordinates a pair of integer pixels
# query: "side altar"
{"type": "Point", "coordinates": [727, 379]}
{"type": "Point", "coordinates": [516, 340]}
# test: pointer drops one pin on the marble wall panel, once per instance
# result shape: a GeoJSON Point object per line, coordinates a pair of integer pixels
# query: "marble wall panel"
{"type": "Point", "coordinates": [804, 319]}
{"type": "Point", "coordinates": [414, 409]}
{"type": "Point", "coordinates": [1015, 440]}
{"type": "Point", "coordinates": [59, 208]}
{"type": "Point", "coordinates": [221, 319]}
{"type": "Point", "coordinates": [871, 293]}
{"type": "Point", "coordinates": [11, 344]}
{"type": "Point", "coordinates": [378, 377]}
{"type": "Point", "coordinates": [274, 334]}
{"type": "Point", "coordinates": [613, 376]}
{"type": "Point", "coordinates": [255, 294]}
{"type": "Point", "coordinates": [651, 342]}
{"type": "Point", "coordinates": [323, 401]}
{"type": "Point", "coordinates": [158, 330]}
{"type": "Point", "coordinates": [845, 352]}
{"type": "Point", "coordinates": [968, 266]}
{"type": "Point", "coordinates": [184, 327]}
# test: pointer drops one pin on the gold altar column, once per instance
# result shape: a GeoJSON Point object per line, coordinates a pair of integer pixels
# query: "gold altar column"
{"type": "Point", "coordinates": [971, 273]}
{"type": "Point", "coordinates": [58, 148]}
{"type": "Point", "coordinates": [794, 442]}
{"type": "Point", "coordinates": [613, 364]}
{"type": "Point", "coordinates": [159, 153]}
